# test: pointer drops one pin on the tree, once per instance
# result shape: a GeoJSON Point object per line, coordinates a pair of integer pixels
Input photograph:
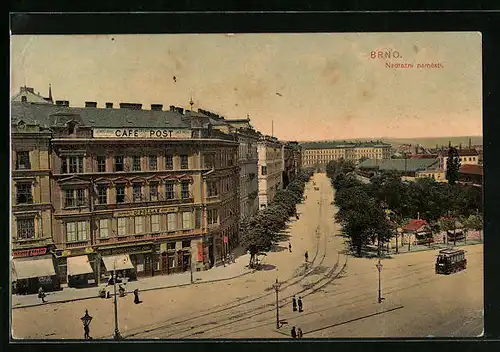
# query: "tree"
{"type": "Point", "coordinates": [452, 166]}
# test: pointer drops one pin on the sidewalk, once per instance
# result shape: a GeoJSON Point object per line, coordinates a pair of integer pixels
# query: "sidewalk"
{"type": "Point", "coordinates": [218, 273]}
{"type": "Point", "coordinates": [417, 248]}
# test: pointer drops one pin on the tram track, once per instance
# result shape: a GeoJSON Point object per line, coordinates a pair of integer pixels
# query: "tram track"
{"type": "Point", "coordinates": [224, 308]}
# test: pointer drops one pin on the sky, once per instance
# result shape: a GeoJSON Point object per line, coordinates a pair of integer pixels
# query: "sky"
{"type": "Point", "coordinates": [308, 86]}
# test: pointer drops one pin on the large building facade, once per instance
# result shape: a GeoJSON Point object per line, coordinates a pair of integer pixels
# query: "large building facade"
{"type": "Point", "coordinates": [270, 164]}
{"type": "Point", "coordinates": [149, 191]}
{"type": "Point", "coordinates": [319, 154]}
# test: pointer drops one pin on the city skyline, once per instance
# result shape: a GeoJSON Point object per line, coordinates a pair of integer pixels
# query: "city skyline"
{"type": "Point", "coordinates": [285, 80]}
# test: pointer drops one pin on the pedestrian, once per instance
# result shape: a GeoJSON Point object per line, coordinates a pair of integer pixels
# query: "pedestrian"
{"type": "Point", "coordinates": [86, 330]}
{"type": "Point", "coordinates": [41, 294]}
{"type": "Point", "coordinates": [289, 247]}
{"type": "Point", "coordinates": [444, 240]}
{"type": "Point", "coordinates": [299, 333]}
{"type": "Point", "coordinates": [294, 333]}
{"type": "Point", "coordinates": [223, 262]}
{"type": "Point", "coordinates": [294, 304]}
{"type": "Point", "coordinates": [300, 304]}
{"type": "Point", "coordinates": [306, 255]}
{"type": "Point", "coordinates": [136, 296]}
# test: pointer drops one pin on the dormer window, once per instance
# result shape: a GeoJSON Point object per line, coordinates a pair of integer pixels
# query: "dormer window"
{"type": "Point", "coordinates": [24, 98]}
{"type": "Point", "coordinates": [71, 128]}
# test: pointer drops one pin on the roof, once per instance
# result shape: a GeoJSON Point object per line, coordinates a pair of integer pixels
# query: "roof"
{"type": "Point", "coordinates": [471, 169]}
{"type": "Point", "coordinates": [98, 117]}
{"type": "Point", "coordinates": [410, 165]}
{"type": "Point", "coordinates": [448, 251]}
{"type": "Point", "coordinates": [461, 152]}
{"type": "Point", "coordinates": [30, 95]}
{"type": "Point", "coordinates": [414, 224]}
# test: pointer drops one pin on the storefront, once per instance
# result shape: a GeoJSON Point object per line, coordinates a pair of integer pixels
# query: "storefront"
{"type": "Point", "coordinates": [79, 271]}
{"type": "Point", "coordinates": [131, 261]}
{"type": "Point", "coordinates": [32, 269]}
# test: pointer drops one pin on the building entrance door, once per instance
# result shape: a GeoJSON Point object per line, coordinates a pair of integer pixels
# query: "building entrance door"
{"type": "Point", "coordinates": [164, 263]}
{"type": "Point", "coordinates": [148, 266]}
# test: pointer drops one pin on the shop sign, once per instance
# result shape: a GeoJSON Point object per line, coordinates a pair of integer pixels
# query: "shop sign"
{"type": "Point", "coordinates": [45, 280]}
{"type": "Point", "coordinates": [146, 248]}
{"type": "Point", "coordinates": [200, 252]}
{"type": "Point", "coordinates": [142, 212]}
{"type": "Point", "coordinates": [146, 133]}
{"type": "Point", "coordinates": [225, 239]}
{"type": "Point", "coordinates": [29, 252]}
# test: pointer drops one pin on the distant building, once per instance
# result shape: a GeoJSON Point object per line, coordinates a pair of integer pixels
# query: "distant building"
{"type": "Point", "coordinates": [271, 168]}
{"type": "Point", "coordinates": [319, 154]}
{"type": "Point", "coordinates": [409, 168]}
{"type": "Point", "coordinates": [471, 175]}
{"type": "Point", "coordinates": [28, 95]}
{"type": "Point", "coordinates": [466, 156]}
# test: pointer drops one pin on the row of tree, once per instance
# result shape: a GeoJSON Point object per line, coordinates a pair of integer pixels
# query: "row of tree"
{"type": "Point", "coordinates": [369, 211]}
{"type": "Point", "coordinates": [260, 231]}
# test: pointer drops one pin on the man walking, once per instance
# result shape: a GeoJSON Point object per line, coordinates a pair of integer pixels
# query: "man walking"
{"type": "Point", "coordinates": [306, 255]}
{"type": "Point", "coordinates": [294, 333]}
{"type": "Point", "coordinates": [41, 294]}
{"type": "Point", "coordinates": [136, 296]}
{"type": "Point", "coordinates": [300, 304]}
{"type": "Point", "coordinates": [289, 247]}
{"type": "Point", "coordinates": [294, 304]}
{"type": "Point", "coordinates": [299, 333]}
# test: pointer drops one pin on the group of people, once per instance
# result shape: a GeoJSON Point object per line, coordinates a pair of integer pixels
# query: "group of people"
{"type": "Point", "coordinates": [230, 258]}
{"type": "Point", "coordinates": [297, 334]}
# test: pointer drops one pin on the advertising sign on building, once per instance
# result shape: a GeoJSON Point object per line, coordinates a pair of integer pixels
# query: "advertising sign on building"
{"type": "Point", "coordinates": [29, 252]}
{"type": "Point", "coordinates": [144, 133]}
{"type": "Point", "coordinates": [144, 212]}
{"type": "Point", "coordinates": [200, 252]}
{"type": "Point", "coordinates": [226, 239]}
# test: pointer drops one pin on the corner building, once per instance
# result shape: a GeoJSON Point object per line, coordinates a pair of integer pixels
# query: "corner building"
{"type": "Point", "coordinates": [144, 191]}
{"type": "Point", "coordinates": [271, 168]}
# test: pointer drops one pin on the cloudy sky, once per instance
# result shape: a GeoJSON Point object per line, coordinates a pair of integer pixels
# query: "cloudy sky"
{"type": "Point", "coordinates": [313, 86]}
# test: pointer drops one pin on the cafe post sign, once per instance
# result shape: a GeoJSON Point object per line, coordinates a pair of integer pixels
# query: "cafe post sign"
{"type": "Point", "coordinates": [142, 133]}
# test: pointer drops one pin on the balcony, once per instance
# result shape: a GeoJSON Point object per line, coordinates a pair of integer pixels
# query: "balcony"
{"type": "Point", "coordinates": [145, 203]}
{"type": "Point", "coordinates": [77, 244]}
{"type": "Point", "coordinates": [131, 238]}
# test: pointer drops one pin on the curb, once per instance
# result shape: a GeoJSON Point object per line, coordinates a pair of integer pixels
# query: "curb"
{"type": "Point", "coordinates": [143, 290]}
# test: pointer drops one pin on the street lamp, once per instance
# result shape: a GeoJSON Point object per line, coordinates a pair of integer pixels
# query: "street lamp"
{"type": "Point", "coordinates": [276, 287]}
{"type": "Point", "coordinates": [379, 268]}
{"type": "Point", "coordinates": [86, 319]}
{"type": "Point", "coordinates": [117, 335]}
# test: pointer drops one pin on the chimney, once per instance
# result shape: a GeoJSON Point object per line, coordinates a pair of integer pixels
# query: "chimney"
{"type": "Point", "coordinates": [470, 143]}
{"type": "Point", "coordinates": [90, 104]}
{"type": "Point", "coordinates": [172, 108]}
{"type": "Point", "coordinates": [132, 106]}
{"type": "Point", "coordinates": [460, 146]}
{"type": "Point", "coordinates": [62, 103]}
{"type": "Point", "coordinates": [179, 110]}
{"type": "Point", "coordinates": [24, 99]}
{"type": "Point", "coordinates": [157, 107]}
{"type": "Point", "coordinates": [109, 105]}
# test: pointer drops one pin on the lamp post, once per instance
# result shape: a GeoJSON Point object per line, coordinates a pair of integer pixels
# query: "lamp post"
{"type": "Point", "coordinates": [86, 319]}
{"type": "Point", "coordinates": [117, 335]}
{"type": "Point", "coordinates": [276, 287]}
{"type": "Point", "coordinates": [379, 268]}
{"type": "Point", "coordinates": [191, 266]}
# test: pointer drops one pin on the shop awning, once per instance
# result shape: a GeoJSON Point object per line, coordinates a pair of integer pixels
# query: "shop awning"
{"type": "Point", "coordinates": [118, 262]}
{"type": "Point", "coordinates": [27, 268]}
{"type": "Point", "coordinates": [79, 265]}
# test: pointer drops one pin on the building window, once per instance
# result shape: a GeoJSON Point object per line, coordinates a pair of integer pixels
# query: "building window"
{"type": "Point", "coordinates": [155, 223]}
{"type": "Point", "coordinates": [122, 226]}
{"type": "Point", "coordinates": [185, 190]}
{"type": "Point", "coordinates": [25, 229]}
{"type": "Point", "coordinates": [101, 163]}
{"type": "Point", "coordinates": [184, 162]}
{"type": "Point", "coordinates": [186, 220]}
{"type": "Point", "coordinates": [23, 160]}
{"type": "Point", "coordinates": [186, 244]}
{"type": "Point", "coordinates": [153, 162]}
{"type": "Point", "coordinates": [212, 189]}
{"type": "Point", "coordinates": [71, 164]}
{"type": "Point", "coordinates": [120, 193]}
{"type": "Point", "coordinates": [153, 191]}
{"type": "Point", "coordinates": [103, 228]}
{"type": "Point", "coordinates": [263, 170]}
{"type": "Point", "coordinates": [137, 192]}
{"type": "Point", "coordinates": [102, 194]}
{"type": "Point", "coordinates": [74, 197]}
{"type": "Point", "coordinates": [208, 160]}
{"type": "Point", "coordinates": [172, 221]}
{"type": "Point", "coordinates": [24, 195]}
{"type": "Point", "coordinates": [169, 162]}
{"type": "Point", "coordinates": [197, 219]}
{"type": "Point", "coordinates": [139, 224]}
{"type": "Point", "coordinates": [169, 190]}
{"type": "Point", "coordinates": [170, 246]}
{"type": "Point", "coordinates": [212, 216]}
{"type": "Point", "coordinates": [119, 165]}
{"type": "Point", "coordinates": [76, 231]}
{"type": "Point", "coordinates": [136, 163]}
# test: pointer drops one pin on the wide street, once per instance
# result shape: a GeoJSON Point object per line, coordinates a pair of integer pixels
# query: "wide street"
{"type": "Point", "coordinates": [339, 294]}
